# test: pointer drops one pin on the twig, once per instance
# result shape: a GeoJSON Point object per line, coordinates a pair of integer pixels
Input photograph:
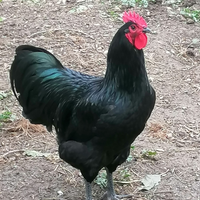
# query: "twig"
{"type": "Point", "coordinates": [178, 178]}
{"type": "Point", "coordinates": [198, 126]}
{"type": "Point", "coordinates": [38, 33]}
{"type": "Point", "coordinates": [189, 129]}
{"type": "Point", "coordinates": [162, 174]}
{"type": "Point", "coordinates": [127, 182]}
{"type": "Point", "coordinates": [163, 191]}
{"type": "Point", "coordinates": [61, 172]}
{"type": "Point", "coordinates": [135, 173]}
{"type": "Point", "coordinates": [56, 168]}
{"type": "Point", "coordinates": [184, 149]}
{"type": "Point", "coordinates": [10, 152]}
{"type": "Point", "coordinates": [65, 169]}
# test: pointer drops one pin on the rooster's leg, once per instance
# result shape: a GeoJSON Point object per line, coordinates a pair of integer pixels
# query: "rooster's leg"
{"type": "Point", "coordinates": [88, 190]}
{"type": "Point", "coordinates": [110, 195]}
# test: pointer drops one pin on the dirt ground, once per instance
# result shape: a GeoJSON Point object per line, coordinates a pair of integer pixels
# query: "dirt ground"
{"type": "Point", "coordinates": [79, 33]}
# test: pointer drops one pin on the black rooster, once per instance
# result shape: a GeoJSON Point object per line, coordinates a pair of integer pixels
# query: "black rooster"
{"type": "Point", "coordinates": [96, 118]}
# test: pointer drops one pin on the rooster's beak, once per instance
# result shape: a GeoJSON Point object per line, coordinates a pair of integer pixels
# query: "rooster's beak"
{"type": "Point", "coordinates": [146, 30]}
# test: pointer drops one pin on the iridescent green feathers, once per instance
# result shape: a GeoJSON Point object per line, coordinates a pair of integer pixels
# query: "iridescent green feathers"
{"type": "Point", "coordinates": [41, 84]}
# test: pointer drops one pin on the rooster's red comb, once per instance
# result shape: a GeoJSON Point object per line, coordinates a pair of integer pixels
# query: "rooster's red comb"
{"type": "Point", "coordinates": [134, 17]}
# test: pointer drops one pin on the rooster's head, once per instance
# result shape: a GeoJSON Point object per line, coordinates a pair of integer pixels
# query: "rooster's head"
{"type": "Point", "coordinates": [136, 32]}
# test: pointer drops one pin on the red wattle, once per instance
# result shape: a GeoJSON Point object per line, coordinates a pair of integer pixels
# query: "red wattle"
{"type": "Point", "coordinates": [140, 41]}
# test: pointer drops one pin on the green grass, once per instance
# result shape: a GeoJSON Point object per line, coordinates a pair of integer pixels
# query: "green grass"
{"type": "Point", "coordinates": [113, 14]}
{"type": "Point", "coordinates": [130, 158]}
{"type": "Point", "coordinates": [148, 154]}
{"type": "Point", "coordinates": [125, 174]}
{"type": "Point", "coordinates": [133, 3]}
{"type": "Point", "coordinates": [5, 116]}
{"type": "Point", "coordinates": [189, 13]}
{"type": "Point", "coordinates": [101, 180]}
{"type": "Point", "coordinates": [5, 94]}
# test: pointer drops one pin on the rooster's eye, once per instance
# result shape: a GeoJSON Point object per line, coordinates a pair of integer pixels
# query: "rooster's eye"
{"type": "Point", "coordinates": [132, 27]}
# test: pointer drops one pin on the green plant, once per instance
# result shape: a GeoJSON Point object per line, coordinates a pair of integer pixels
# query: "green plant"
{"type": "Point", "coordinates": [101, 180]}
{"type": "Point", "coordinates": [4, 94]}
{"type": "Point", "coordinates": [149, 154]}
{"type": "Point", "coordinates": [130, 158]}
{"type": "Point", "coordinates": [193, 14]}
{"type": "Point", "coordinates": [113, 14]}
{"type": "Point", "coordinates": [125, 174]}
{"type": "Point", "coordinates": [132, 147]}
{"type": "Point", "coordinates": [5, 116]}
{"type": "Point", "coordinates": [133, 3]}
{"type": "Point", "coordinates": [143, 3]}
{"type": "Point", "coordinates": [128, 2]}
